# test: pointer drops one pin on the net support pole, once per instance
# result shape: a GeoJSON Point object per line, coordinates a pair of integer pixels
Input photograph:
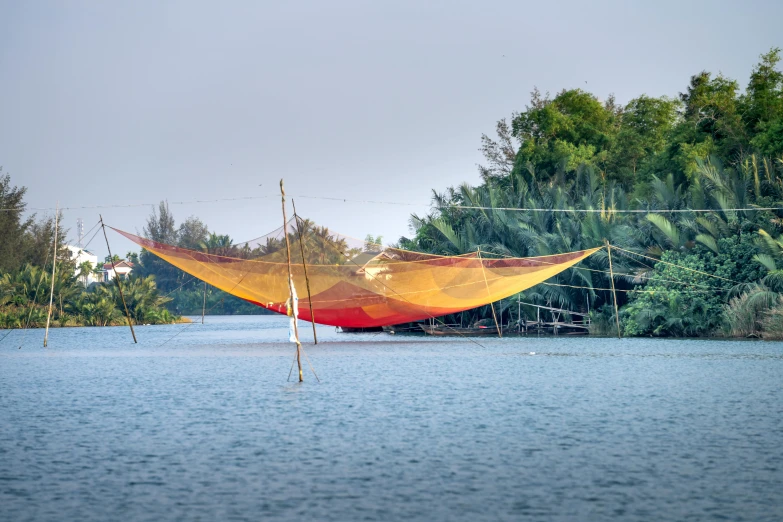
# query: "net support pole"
{"type": "Point", "coordinates": [291, 284]}
{"type": "Point", "coordinates": [54, 264]}
{"type": "Point", "coordinates": [304, 266]}
{"type": "Point", "coordinates": [204, 303]}
{"type": "Point", "coordinates": [491, 304]}
{"type": "Point", "coordinates": [614, 293]}
{"type": "Point", "coordinates": [119, 283]}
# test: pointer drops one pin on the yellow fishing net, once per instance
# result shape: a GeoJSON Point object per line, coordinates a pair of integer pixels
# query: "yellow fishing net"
{"type": "Point", "coordinates": [358, 284]}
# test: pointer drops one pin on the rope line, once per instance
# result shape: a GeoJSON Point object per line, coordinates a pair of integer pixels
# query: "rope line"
{"type": "Point", "coordinates": [301, 347]}
{"type": "Point", "coordinates": [180, 286]}
{"type": "Point", "coordinates": [675, 265]}
{"type": "Point", "coordinates": [615, 211]}
{"type": "Point", "coordinates": [93, 237]}
{"type": "Point", "coordinates": [91, 229]}
{"type": "Point", "coordinates": [576, 267]}
{"type": "Point", "coordinates": [32, 305]}
{"type": "Point", "coordinates": [632, 291]}
{"type": "Point", "coordinates": [210, 309]}
{"type": "Point", "coordinates": [133, 205]}
{"type": "Point", "coordinates": [408, 204]}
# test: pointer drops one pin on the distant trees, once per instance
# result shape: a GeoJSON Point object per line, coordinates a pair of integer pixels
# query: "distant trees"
{"type": "Point", "coordinates": [26, 276]}
{"type": "Point", "coordinates": [192, 233]}
{"type": "Point", "coordinates": [185, 291]}
{"type": "Point", "coordinates": [24, 240]}
{"type": "Point", "coordinates": [160, 227]}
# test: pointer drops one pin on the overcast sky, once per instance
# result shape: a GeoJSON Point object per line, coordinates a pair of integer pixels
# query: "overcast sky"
{"type": "Point", "coordinates": [118, 103]}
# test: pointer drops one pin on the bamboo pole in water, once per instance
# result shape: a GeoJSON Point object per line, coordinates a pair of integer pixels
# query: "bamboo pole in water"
{"type": "Point", "coordinates": [54, 264]}
{"type": "Point", "coordinates": [304, 266]}
{"type": "Point", "coordinates": [614, 294]}
{"type": "Point", "coordinates": [291, 284]}
{"type": "Point", "coordinates": [119, 283]}
{"type": "Point", "coordinates": [204, 303]}
{"type": "Point", "coordinates": [492, 305]}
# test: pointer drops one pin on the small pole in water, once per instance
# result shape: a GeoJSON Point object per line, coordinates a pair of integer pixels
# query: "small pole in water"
{"type": "Point", "coordinates": [204, 303]}
{"type": "Point", "coordinates": [519, 315]}
{"type": "Point", "coordinates": [304, 266]}
{"type": "Point", "coordinates": [614, 293]}
{"type": "Point", "coordinates": [54, 263]}
{"type": "Point", "coordinates": [119, 283]}
{"type": "Point", "coordinates": [491, 304]}
{"type": "Point", "coordinates": [291, 284]}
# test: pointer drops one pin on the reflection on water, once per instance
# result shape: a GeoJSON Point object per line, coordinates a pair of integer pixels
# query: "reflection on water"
{"type": "Point", "coordinates": [198, 422]}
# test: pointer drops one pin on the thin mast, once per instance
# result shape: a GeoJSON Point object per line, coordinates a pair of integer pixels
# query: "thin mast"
{"type": "Point", "coordinates": [117, 279]}
{"type": "Point", "coordinates": [291, 285]}
{"type": "Point", "coordinates": [304, 266]}
{"type": "Point", "coordinates": [54, 263]}
{"type": "Point", "coordinates": [614, 294]}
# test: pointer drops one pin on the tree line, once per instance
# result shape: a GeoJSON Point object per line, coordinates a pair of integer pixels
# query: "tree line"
{"type": "Point", "coordinates": [187, 292]}
{"type": "Point", "coordinates": [699, 255]}
{"type": "Point", "coordinates": [713, 148]}
{"type": "Point", "coordinates": [26, 257]}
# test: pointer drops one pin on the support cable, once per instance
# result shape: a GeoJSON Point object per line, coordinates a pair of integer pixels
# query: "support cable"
{"type": "Point", "coordinates": [678, 266]}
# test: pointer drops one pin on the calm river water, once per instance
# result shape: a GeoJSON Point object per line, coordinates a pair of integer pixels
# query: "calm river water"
{"type": "Point", "coordinates": [205, 427]}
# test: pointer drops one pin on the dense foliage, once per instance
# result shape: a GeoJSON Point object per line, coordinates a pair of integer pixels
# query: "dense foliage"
{"type": "Point", "coordinates": [713, 148]}
{"type": "Point", "coordinates": [26, 247]}
{"type": "Point", "coordinates": [24, 300]}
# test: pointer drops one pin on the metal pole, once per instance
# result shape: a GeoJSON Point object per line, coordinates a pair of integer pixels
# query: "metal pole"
{"type": "Point", "coordinates": [117, 279]}
{"type": "Point", "coordinates": [54, 263]}
{"type": "Point", "coordinates": [291, 284]}
{"type": "Point", "coordinates": [304, 266]}
{"type": "Point", "coordinates": [614, 293]}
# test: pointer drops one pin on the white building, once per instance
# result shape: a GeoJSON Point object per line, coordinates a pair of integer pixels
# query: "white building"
{"type": "Point", "coordinates": [123, 268]}
{"type": "Point", "coordinates": [79, 256]}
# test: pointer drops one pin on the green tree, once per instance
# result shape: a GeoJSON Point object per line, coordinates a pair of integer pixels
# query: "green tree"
{"type": "Point", "coordinates": [161, 227]}
{"type": "Point", "coordinates": [13, 226]}
{"type": "Point", "coordinates": [85, 270]}
{"type": "Point", "coordinates": [763, 105]}
{"type": "Point", "coordinates": [192, 233]}
{"type": "Point", "coordinates": [564, 132]}
{"type": "Point", "coordinates": [644, 129]}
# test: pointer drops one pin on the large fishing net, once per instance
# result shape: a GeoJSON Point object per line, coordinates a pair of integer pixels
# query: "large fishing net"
{"type": "Point", "coordinates": [354, 283]}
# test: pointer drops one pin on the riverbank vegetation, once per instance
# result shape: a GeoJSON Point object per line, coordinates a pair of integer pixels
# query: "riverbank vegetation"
{"type": "Point", "coordinates": [687, 190]}
{"type": "Point", "coordinates": [678, 184]}
{"type": "Point", "coordinates": [26, 277]}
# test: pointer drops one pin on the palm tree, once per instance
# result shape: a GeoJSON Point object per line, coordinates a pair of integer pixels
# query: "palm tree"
{"type": "Point", "coordinates": [85, 270]}
{"type": "Point", "coordinates": [219, 245]}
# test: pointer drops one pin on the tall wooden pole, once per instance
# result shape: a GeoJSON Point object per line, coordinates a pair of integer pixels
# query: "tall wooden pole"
{"type": "Point", "coordinates": [304, 266]}
{"type": "Point", "coordinates": [117, 279]}
{"type": "Point", "coordinates": [54, 263]}
{"type": "Point", "coordinates": [614, 293]}
{"type": "Point", "coordinates": [204, 303]}
{"type": "Point", "coordinates": [492, 305]}
{"type": "Point", "coordinates": [291, 284]}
